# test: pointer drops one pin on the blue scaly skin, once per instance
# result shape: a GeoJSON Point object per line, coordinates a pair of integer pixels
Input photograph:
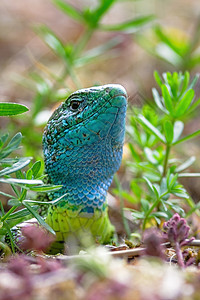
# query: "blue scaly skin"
{"type": "Point", "coordinates": [83, 144]}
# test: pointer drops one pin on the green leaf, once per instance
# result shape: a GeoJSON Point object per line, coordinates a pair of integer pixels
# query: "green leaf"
{"type": "Point", "coordinates": [45, 188]}
{"type": "Point", "coordinates": [130, 26]}
{"type": "Point", "coordinates": [149, 154]}
{"type": "Point", "coordinates": [14, 202]}
{"type": "Point", "coordinates": [137, 214]}
{"type": "Point", "coordinates": [167, 99]}
{"type": "Point", "coordinates": [36, 168]}
{"type": "Point", "coordinates": [193, 106]}
{"type": "Point", "coordinates": [186, 164]}
{"type": "Point", "coordinates": [158, 101]}
{"type": "Point", "coordinates": [21, 213]}
{"type": "Point", "coordinates": [151, 128]}
{"type": "Point", "coordinates": [145, 205]}
{"type": "Point", "coordinates": [24, 161]}
{"type": "Point", "coordinates": [135, 155]}
{"type": "Point", "coordinates": [12, 145]}
{"type": "Point", "coordinates": [178, 129]}
{"type": "Point", "coordinates": [156, 191]}
{"type": "Point", "coordinates": [189, 175]}
{"type": "Point", "coordinates": [168, 129]}
{"type": "Point", "coordinates": [104, 6]}
{"type": "Point", "coordinates": [194, 81]}
{"type": "Point", "coordinates": [188, 137]}
{"type": "Point", "coordinates": [149, 183]}
{"type": "Point", "coordinates": [37, 216]}
{"type": "Point", "coordinates": [6, 195]}
{"type": "Point", "coordinates": [51, 40]}
{"type": "Point", "coordinates": [11, 109]}
{"type": "Point", "coordinates": [185, 82]}
{"type": "Point", "coordinates": [166, 40]}
{"type": "Point", "coordinates": [3, 139]}
{"type": "Point", "coordinates": [171, 181]}
{"type": "Point", "coordinates": [21, 181]}
{"type": "Point", "coordinates": [29, 174]}
{"type": "Point", "coordinates": [184, 103]}
{"type": "Point", "coordinates": [158, 78]}
{"type": "Point", "coordinates": [69, 10]}
{"type": "Point", "coordinates": [159, 214]}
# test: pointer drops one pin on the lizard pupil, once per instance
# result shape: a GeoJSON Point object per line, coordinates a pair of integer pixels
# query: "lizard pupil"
{"type": "Point", "coordinates": [74, 105]}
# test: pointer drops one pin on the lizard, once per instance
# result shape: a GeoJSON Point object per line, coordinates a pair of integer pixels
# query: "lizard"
{"type": "Point", "coordinates": [82, 146]}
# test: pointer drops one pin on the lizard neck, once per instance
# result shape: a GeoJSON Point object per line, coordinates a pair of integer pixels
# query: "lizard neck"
{"type": "Point", "coordinates": [86, 174]}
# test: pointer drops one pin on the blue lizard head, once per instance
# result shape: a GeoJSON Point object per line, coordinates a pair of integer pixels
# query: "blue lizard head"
{"type": "Point", "coordinates": [84, 137]}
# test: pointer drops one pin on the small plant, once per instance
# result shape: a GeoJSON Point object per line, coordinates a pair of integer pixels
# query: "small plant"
{"type": "Point", "coordinates": [173, 46]}
{"type": "Point", "coordinates": [24, 184]}
{"type": "Point", "coordinates": [50, 87]}
{"type": "Point", "coordinates": [153, 134]}
{"type": "Point", "coordinates": [177, 231]}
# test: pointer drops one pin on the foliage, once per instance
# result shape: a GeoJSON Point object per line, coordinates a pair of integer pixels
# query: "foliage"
{"type": "Point", "coordinates": [173, 46]}
{"type": "Point", "coordinates": [23, 185]}
{"type": "Point", "coordinates": [50, 87]}
{"type": "Point", "coordinates": [154, 134]}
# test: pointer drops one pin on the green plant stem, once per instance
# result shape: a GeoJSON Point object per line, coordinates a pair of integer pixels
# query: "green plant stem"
{"type": "Point", "coordinates": [8, 213]}
{"type": "Point", "coordinates": [154, 205]}
{"type": "Point", "coordinates": [11, 237]}
{"type": "Point", "coordinates": [168, 148]}
{"type": "Point", "coordinates": [82, 42]}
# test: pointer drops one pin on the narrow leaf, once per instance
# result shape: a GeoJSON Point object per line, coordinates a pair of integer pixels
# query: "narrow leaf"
{"type": "Point", "coordinates": [69, 10]}
{"type": "Point", "coordinates": [167, 99]}
{"type": "Point", "coordinates": [16, 166]}
{"type": "Point", "coordinates": [37, 216]}
{"type": "Point", "coordinates": [21, 181]}
{"type": "Point", "coordinates": [186, 164]}
{"type": "Point", "coordinates": [130, 26]}
{"type": "Point", "coordinates": [188, 137]}
{"type": "Point", "coordinates": [189, 175]}
{"type": "Point", "coordinates": [151, 128]}
{"type": "Point", "coordinates": [12, 145]}
{"type": "Point", "coordinates": [178, 129]}
{"type": "Point", "coordinates": [21, 213]}
{"type": "Point", "coordinates": [11, 109]}
{"type": "Point", "coordinates": [158, 78]}
{"type": "Point", "coordinates": [158, 101]}
{"type": "Point", "coordinates": [45, 188]}
{"type": "Point", "coordinates": [185, 82]}
{"type": "Point", "coordinates": [193, 106]}
{"type": "Point", "coordinates": [145, 205]}
{"type": "Point", "coordinates": [51, 40]}
{"type": "Point", "coordinates": [149, 183]}
{"type": "Point", "coordinates": [194, 81]}
{"type": "Point", "coordinates": [184, 103]}
{"type": "Point", "coordinates": [101, 9]}
{"type": "Point", "coordinates": [36, 168]}
{"type": "Point", "coordinates": [168, 128]}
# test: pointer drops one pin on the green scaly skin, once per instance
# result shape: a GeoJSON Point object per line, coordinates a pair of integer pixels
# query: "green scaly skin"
{"type": "Point", "coordinates": [83, 144]}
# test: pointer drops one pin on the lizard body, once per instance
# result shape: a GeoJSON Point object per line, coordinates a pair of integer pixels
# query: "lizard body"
{"type": "Point", "coordinates": [82, 145]}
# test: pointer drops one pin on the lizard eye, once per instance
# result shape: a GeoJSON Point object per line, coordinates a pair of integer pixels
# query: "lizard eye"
{"type": "Point", "coordinates": [74, 105]}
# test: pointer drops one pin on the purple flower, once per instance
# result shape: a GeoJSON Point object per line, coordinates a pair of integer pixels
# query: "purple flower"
{"type": "Point", "coordinates": [177, 232]}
